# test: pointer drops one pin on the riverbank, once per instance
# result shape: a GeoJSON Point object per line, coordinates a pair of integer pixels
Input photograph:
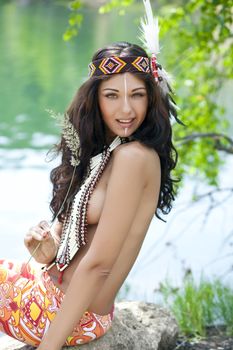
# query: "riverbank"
{"type": "Point", "coordinates": [216, 339]}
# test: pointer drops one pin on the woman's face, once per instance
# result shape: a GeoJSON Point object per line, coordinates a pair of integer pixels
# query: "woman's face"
{"type": "Point", "coordinates": [123, 104]}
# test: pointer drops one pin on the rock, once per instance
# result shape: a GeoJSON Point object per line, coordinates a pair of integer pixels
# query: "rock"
{"type": "Point", "coordinates": [136, 326]}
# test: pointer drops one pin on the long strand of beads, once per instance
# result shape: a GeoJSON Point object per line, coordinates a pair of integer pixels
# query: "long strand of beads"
{"type": "Point", "coordinates": [74, 233]}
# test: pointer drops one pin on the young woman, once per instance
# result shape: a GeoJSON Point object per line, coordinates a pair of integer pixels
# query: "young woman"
{"type": "Point", "coordinates": [116, 159]}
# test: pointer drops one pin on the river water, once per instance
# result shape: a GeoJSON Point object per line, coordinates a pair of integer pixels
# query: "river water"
{"type": "Point", "coordinates": [38, 71]}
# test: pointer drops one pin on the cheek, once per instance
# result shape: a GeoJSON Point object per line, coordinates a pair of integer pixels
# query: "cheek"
{"type": "Point", "coordinates": [141, 112]}
{"type": "Point", "coordinates": [107, 110]}
{"type": "Point", "coordinates": [142, 109]}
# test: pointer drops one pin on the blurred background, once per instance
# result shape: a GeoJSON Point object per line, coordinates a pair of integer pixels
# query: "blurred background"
{"type": "Point", "coordinates": [45, 48]}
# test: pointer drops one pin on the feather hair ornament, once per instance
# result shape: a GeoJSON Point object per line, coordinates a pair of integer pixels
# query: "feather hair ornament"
{"type": "Point", "coordinates": [150, 40]}
{"type": "Point", "coordinates": [150, 30]}
{"type": "Point", "coordinates": [70, 135]}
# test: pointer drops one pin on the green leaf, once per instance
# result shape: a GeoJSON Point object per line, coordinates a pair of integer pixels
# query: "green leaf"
{"type": "Point", "coordinates": [75, 5]}
{"type": "Point", "coordinates": [115, 4]}
{"type": "Point", "coordinates": [76, 19]}
{"type": "Point", "coordinates": [70, 33]}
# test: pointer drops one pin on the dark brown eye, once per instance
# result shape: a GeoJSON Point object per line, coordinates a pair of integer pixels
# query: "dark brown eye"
{"type": "Point", "coordinates": [138, 94]}
{"type": "Point", "coordinates": [111, 96]}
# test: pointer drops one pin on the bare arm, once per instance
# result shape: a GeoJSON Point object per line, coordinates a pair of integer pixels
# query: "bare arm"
{"type": "Point", "coordinates": [123, 195]}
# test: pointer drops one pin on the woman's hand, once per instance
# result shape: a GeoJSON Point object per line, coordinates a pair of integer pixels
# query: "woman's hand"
{"type": "Point", "coordinates": [47, 250]}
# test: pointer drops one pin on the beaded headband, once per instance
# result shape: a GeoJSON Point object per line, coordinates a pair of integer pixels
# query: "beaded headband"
{"type": "Point", "coordinates": [115, 64]}
{"type": "Point", "coordinates": [150, 39]}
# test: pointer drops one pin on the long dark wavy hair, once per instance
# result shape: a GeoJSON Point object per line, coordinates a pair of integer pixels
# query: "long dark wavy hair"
{"type": "Point", "coordinates": [84, 113]}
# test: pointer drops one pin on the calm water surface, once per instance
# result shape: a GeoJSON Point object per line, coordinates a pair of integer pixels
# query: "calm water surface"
{"type": "Point", "coordinates": [39, 71]}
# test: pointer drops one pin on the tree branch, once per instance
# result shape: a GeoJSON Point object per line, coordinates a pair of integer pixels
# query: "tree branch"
{"type": "Point", "coordinates": [212, 192]}
{"type": "Point", "coordinates": [217, 137]}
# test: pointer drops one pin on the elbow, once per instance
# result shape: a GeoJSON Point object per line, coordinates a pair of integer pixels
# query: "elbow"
{"type": "Point", "coordinates": [103, 272]}
{"type": "Point", "coordinates": [99, 268]}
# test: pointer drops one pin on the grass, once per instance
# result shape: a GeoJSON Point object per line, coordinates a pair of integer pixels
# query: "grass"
{"type": "Point", "coordinates": [198, 306]}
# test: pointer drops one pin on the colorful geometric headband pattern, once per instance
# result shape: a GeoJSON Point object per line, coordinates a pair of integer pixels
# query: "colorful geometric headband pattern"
{"type": "Point", "coordinates": [115, 64]}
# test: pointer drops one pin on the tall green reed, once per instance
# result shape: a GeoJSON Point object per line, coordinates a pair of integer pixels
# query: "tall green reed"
{"type": "Point", "coordinates": [199, 305]}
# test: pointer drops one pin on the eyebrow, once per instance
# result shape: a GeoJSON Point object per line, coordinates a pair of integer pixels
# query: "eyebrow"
{"type": "Point", "coordinates": [116, 90]}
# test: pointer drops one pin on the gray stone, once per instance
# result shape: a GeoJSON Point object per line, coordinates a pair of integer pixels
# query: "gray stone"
{"type": "Point", "coordinates": [136, 326]}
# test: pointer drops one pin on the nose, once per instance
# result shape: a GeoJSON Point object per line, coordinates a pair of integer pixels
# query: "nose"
{"type": "Point", "coordinates": [126, 107]}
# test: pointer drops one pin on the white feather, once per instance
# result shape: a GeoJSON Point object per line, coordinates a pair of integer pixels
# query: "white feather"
{"type": "Point", "coordinates": [150, 30]}
{"type": "Point", "coordinates": [150, 40]}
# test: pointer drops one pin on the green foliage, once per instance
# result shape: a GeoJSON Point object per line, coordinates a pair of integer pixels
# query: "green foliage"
{"type": "Point", "coordinates": [200, 42]}
{"type": "Point", "coordinates": [75, 20]}
{"type": "Point", "coordinates": [120, 5]}
{"type": "Point", "coordinates": [197, 306]}
{"type": "Point", "coordinates": [224, 296]}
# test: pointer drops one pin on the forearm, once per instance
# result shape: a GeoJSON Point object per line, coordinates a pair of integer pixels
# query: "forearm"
{"type": "Point", "coordinates": [84, 286]}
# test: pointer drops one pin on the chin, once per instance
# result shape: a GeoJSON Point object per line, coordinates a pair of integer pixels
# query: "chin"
{"type": "Point", "coordinates": [120, 133]}
{"type": "Point", "coordinates": [126, 134]}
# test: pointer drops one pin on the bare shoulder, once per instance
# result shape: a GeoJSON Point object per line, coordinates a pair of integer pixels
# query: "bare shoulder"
{"type": "Point", "coordinates": [136, 153]}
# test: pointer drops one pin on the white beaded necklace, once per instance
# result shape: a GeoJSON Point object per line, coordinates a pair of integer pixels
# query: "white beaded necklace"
{"type": "Point", "coordinates": [75, 225]}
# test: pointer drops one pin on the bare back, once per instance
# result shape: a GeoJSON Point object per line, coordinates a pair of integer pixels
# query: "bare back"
{"type": "Point", "coordinates": [103, 302]}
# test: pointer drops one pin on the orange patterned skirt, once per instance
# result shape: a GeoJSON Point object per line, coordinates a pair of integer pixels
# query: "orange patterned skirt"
{"type": "Point", "coordinates": [29, 301]}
